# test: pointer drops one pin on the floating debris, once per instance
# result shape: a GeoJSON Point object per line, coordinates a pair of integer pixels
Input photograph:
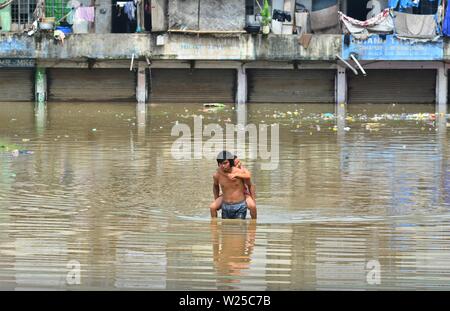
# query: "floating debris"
{"type": "Point", "coordinates": [328, 116]}
{"type": "Point", "coordinates": [214, 105]}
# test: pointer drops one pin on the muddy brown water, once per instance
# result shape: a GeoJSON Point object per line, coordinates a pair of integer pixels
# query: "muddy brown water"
{"type": "Point", "coordinates": [103, 190]}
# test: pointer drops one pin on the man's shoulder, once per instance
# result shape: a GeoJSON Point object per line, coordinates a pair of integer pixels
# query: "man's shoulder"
{"type": "Point", "coordinates": [236, 169]}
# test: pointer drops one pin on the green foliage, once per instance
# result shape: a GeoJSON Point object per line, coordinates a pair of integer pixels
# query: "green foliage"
{"type": "Point", "coordinates": [265, 14]}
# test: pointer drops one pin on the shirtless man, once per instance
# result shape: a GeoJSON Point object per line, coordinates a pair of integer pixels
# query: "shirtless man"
{"type": "Point", "coordinates": [232, 180]}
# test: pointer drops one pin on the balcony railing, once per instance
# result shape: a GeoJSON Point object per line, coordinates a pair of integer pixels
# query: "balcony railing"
{"type": "Point", "coordinates": [22, 12]}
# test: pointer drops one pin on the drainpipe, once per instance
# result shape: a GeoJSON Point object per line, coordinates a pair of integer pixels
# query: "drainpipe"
{"type": "Point", "coordinates": [5, 17]}
{"type": "Point", "coordinates": [347, 64]}
{"type": "Point", "coordinates": [352, 55]}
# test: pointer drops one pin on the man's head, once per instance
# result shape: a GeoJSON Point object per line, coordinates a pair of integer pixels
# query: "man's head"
{"type": "Point", "coordinates": [225, 160]}
{"type": "Point", "coordinates": [237, 162]}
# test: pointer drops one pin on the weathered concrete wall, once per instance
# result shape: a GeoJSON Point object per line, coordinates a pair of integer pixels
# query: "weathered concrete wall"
{"type": "Point", "coordinates": [100, 46]}
{"type": "Point", "coordinates": [103, 11]}
{"type": "Point", "coordinates": [248, 47]}
{"type": "Point", "coordinates": [177, 47]}
{"type": "Point", "coordinates": [207, 15]}
{"type": "Point", "coordinates": [159, 15]}
{"type": "Point", "coordinates": [274, 47]}
{"type": "Point", "coordinates": [205, 47]}
{"type": "Point", "coordinates": [183, 14]}
{"type": "Point", "coordinates": [223, 15]}
{"type": "Point", "coordinates": [446, 48]}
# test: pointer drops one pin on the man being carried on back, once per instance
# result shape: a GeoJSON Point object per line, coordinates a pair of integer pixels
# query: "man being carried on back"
{"type": "Point", "coordinates": [238, 194]}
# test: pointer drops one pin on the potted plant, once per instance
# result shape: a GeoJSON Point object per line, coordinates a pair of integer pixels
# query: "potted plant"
{"type": "Point", "coordinates": [266, 17]}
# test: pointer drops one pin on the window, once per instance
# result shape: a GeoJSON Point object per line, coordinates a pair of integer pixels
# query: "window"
{"type": "Point", "coordinates": [22, 14]}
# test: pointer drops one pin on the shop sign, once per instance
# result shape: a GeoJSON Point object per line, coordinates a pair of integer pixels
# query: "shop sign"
{"type": "Point", "coordinates": [17, 62]}
{"type": "Point", "coordinates": [389, 47]}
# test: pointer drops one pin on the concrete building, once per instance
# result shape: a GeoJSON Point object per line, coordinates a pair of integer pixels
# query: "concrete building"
{"type": "Point", "coordinates": [199, 51]}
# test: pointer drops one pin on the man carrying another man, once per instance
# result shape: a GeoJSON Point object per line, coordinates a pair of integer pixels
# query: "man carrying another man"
{"type": "Point", "coordinates": [238, 193]}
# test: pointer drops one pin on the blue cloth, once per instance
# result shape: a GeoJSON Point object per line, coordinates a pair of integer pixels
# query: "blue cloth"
{"type": "Point", "coordinates": [446, 26]}
{"type": "Point", "coordinates": [130, 10]}
{"type": "Point", "coordinates": [234, 210]}
{"type": "Point", "coordinates": [404, 4]}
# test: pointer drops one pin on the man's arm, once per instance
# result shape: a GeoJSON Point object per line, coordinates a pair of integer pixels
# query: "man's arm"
{"type": "Point", "coordinates": [251, 188]}
{"type": "Point", "coordinates": [253, 191]}
{"type": "Point", "coordinates": [216, 188]}
{"type": "Point", "coordinates": [241, 173]}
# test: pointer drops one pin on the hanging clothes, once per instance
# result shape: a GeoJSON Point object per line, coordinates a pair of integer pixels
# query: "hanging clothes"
{"type": "Point", "coordinates": [428, 6]}
{"type": "Point", "coordinates": [382, 22]}
{"type": "Point", "coordinates": [446, 26]}
{"type": "Point", "coordinates": [403, 4]}
{"type": "Point", "coordinates": [415, 26]}
{"type": "Point", "coordinates": [325, 21]}
{"type": "Point", "coordinates": [130, 10]}
{"type": "Point", "coordinates": [85, 13]}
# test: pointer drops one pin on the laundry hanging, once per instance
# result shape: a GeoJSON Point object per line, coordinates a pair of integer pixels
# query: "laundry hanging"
{"type": "Point", "coordinates": [382, 22]}
{"type": "Point", "coordinates": [130, 10]}
{"type": "Point", "coordinates": [415, 26]}
{"type": "Point", "coordinates": [446, 26]}
{"type": "Point", "coordinates": [403, 4]}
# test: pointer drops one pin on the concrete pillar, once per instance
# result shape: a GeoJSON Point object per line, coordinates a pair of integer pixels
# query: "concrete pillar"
{"type": "Point", "coordinates": [341, 85]}
{"type": "Point", "coordinates": [441, 89]}
{"type": "Point", "coordinates": [341, 97]}
{"type": "Point", "coordinates": [141, 119]}
{"type": "Point", "coordinates": [41, 85]}
{"type": "Point", "coordinates": [241, 114]}
{"type": "Point", "coordinates": [5, 17]}
{"type": "Point", "coordinates": [141, 87]}
{"type": "Point", "coordinates": [40, 115]}
{"type": "Point", "coordinates": [241, 91]}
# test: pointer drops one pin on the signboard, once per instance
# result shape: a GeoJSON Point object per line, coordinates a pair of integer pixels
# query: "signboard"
{"type": "Point", "coordinates": [17, 63]}
{"type": "Point", "coordinates": [389, 47]}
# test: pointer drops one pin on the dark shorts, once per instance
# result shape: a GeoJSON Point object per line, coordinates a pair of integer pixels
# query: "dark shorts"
{"type": "Point", "coordinates": [234, 210]}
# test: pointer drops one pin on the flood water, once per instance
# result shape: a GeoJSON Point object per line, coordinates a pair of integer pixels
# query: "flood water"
{"type": "Point", "coordinates": [103, 190]}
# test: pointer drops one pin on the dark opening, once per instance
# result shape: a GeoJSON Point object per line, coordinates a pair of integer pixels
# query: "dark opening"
{"type": "Point", "coordinates": [358, 9]}
{"type": "Point", "coordinates": [121, 23]}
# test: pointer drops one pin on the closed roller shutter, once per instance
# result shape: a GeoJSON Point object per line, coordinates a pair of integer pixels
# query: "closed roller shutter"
{"type": "Point", "coordinates": [291, 86]}
{"type": "Point", "coordinates": [192, 86]}
{"type": "Point", "coordinates": [91, 85]}
{"type": "Point", "coordinates": [16, 85]}
{"type": "Point", "coordinates": [393, 86]}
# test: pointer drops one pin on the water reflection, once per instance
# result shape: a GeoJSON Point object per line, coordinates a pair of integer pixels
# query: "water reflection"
{"type": "Point", "coordinates": [102, 188]}
{"type": "Point", "coordinates": [233, 244]}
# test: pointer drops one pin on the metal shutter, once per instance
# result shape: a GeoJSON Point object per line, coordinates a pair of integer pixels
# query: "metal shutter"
{"type": "Point", "coordinates": [291, 86]}
{"type": "Point", "coordinates": [393, 86]}
{"type": "Point", "coordinates": [16, 84]}
{"type": "Point", "coordinates": [192, 86]}
{"type": "Point", "coordinates": [91, 85]}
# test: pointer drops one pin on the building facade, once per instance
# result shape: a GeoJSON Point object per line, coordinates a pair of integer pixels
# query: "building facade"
{"type": "Point", "coordinates": [215, 51]}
